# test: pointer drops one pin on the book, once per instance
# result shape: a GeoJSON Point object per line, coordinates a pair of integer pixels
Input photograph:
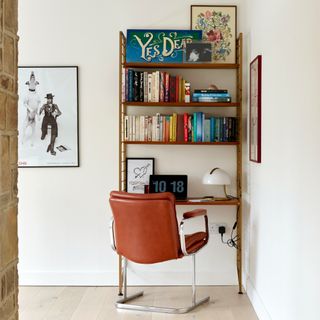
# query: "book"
{"type": "Point", "coordinates": [127, 86]}
{"type": "Point", "coordinates": [141, 86]}
{"type": "Point", "coordinates": [123, 85]}
{"type": "Point", "coordinates": [211, 95]}
{"type": "Point", "coordinates": [185, 127]}
{"type": "Point", "coordinates": [210, 91]}
{"type": "Point", "coordinates": [136, 86]}
{"type": "Point", "coordinates": [207, 130]}
{"type": "Point", "coordinates": [149, 87]}
{"type": "Point", "coordinates": [156, 86]}
{"type": "Point", "coordinates": [145, 86]}
{"type": "Point", "coordinates": [180, 128]}
{"type": "Point", "coordinates": [130, 85]}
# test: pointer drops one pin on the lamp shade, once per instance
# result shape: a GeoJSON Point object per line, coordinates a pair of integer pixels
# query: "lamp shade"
{"type": "Point", "coordinates": [216, 176]}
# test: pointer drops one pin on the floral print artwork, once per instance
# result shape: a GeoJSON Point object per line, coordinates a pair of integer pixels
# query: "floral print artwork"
{"type": "Point", "coordinates": [218, 26]}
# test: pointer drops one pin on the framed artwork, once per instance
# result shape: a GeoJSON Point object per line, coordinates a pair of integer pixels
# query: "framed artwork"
{"type": "Point", "coordinates": [219, 26]}
{"type": "Point", "coordinates": [198, 52]}
{"type": "Point", "coordinates": [138, 172]}
{"type": "Point", "coordinates": [255, 110]}
{"type": "Point", "coordinates": [161, 46]}
{"type": "Point", "coordinates": [48, 117]}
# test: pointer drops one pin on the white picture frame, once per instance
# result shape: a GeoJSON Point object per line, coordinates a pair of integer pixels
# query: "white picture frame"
{"type": "Point", "coordinates": [138, 171]}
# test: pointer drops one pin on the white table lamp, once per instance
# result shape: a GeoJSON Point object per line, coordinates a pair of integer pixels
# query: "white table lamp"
{"type": "Point", "coordinates": [219, 177]}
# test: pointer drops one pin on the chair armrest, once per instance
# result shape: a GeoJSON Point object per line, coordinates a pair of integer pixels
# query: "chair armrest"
{"type": "Point", "coordinates": [189, 215]}
{"type": "Point", "coordinates": [194, 213]}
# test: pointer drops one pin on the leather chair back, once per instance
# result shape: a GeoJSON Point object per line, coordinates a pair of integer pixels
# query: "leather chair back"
{"type": "Point", "coordinates": [146, 229]}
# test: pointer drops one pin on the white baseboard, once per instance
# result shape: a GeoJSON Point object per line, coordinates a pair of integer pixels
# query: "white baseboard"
{"type": "Point", "coordinates": [111, 278]}
{"type": "Point", "coordinates": [256, 301]}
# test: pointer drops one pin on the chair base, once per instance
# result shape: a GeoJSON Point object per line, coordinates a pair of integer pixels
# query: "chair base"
{"type": "Point", "coordinates": [122, 304]}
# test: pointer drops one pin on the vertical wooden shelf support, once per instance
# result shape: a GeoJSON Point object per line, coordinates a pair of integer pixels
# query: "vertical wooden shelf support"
{"type": "Point", "coordinates": [239, 162]}
{"type": "Point", "coordinates": [123, 146]}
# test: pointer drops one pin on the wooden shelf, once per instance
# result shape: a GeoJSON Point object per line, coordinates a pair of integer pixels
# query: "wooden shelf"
{"type": "Point", "coordinates": [153, 65]}
{"type": "Point", "coordinates": [189, 202]}
{"type": "Point", "coordinates": [182, 104]}
{"type": "Point", "coordinates": [233, 143]}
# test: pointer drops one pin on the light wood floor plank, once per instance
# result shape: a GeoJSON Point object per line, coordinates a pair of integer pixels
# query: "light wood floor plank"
{"type": "Point", "coordinates": [97, 303]}
{"type": "Point", "coordinates": [39, 303]}
{"type": "Point", "coordinates": [66, 304]}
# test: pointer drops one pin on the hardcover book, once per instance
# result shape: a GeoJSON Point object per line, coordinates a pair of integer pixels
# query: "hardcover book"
{"type": "Point", "coordinates": [164, 46]}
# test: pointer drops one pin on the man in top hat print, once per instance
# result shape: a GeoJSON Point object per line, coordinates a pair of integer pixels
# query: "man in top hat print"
{"type": "Point", "coordinates": [51, 112]}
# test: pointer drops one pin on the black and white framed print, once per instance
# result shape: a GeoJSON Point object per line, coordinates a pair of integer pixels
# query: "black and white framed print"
{"type": "Point", "coordinates": [48, 117]}
{"type": "Point", "coordinates": [138, 173]}
{"type": "Point", "coordinates": [198, 52]}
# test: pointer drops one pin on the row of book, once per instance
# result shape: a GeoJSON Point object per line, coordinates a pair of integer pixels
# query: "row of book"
{"type": "Point", "coordinates": [157, 86]}
{"type": "Point", "coordinates": [195, 127]}
{"type": "Point", "coordinates": [211, 95]}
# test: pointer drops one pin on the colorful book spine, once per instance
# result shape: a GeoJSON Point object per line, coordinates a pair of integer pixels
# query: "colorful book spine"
{"type": "Point", "coordinates": [149, 87]}
{"type": "Point", "coordinates": [195, 121]}
{"type": "Point", "coordinates": [123, 85]}
{"type": "Point", "coordinates": [166, 87]}
{"type": "Point", "coordinates": [136, 85]}
{"type": "Point", "coordinates": [141, 85]}
{"type": "Point", "coordinates": [199, 127]}
{"type": "Point", "coordinates": [156, 86]}
{"type": "Point", "coordinates": [185, 127]}
{"type": "Point", "coordinates": [174, 127]}
{"type": "Point", "coordinates": [130, 85]}
{"type": "Point", "coordinates": [207, 133]}
{"type": "Point", "coordinates": [162, 89]}
{"type": "Point", "coordinates": [177, 89]}
{"type": "Point", "coordinates": [210, 91]}
{"type": "Point", "coordinates": [145, 86]}
{"type": "Point", "coordinates": [212, 129]}
{"type": "Point", "coordinates": [127, 86]}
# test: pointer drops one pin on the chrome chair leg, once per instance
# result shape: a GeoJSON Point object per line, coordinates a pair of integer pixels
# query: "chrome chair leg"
{"type": "Point", "coordinates": [122, 303]}
{"type": "Point", "coordinates": [193, 279]}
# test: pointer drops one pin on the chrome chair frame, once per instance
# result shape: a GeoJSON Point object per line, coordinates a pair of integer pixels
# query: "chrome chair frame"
{"type": "Point", "coordinates": [122, 303]}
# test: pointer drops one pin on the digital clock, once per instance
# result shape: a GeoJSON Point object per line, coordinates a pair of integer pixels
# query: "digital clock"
{"type": "Point", "coordinates": [177, 184]}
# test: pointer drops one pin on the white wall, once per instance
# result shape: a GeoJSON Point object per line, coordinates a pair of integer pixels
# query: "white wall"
{"type": "Point", "coordinates": [64, 213]}
{"type": "Point", "coordinates": [282, 221]}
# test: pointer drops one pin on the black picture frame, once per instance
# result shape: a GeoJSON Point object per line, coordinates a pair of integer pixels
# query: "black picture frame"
{"type": "Point", "coordinates": [138, 171]}
{"type": "Point", "coordinates": [198, 52]}
{"type": "Point", "coordinates": [59, 146]}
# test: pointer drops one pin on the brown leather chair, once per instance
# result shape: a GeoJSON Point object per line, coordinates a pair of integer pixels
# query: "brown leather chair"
{"type": "Point", "coordinates": [144, 229]}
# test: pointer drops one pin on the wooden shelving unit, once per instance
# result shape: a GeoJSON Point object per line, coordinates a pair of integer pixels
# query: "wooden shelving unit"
{"type": "Point", "coordinates": [237, 107]}
{"type": "Point", "coordinates": [191, 202]}
{"type": "Point", "coordinates": [181, 65]}
{"type": "Point", "coordinates": [233, 143]}
{"type": "Point", "coordinates": [183, 104]}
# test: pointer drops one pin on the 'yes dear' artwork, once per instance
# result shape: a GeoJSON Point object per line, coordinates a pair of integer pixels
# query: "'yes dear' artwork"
{"type": "Point", "coordinates": [161, 46]}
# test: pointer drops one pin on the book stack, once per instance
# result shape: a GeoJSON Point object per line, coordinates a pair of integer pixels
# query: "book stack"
{"type": "Point", "coordinates": [211, 95]}
{"type": "Point", "coordinates": [195, 127]}
{"type": "Point", "coordinates": [157, 86]}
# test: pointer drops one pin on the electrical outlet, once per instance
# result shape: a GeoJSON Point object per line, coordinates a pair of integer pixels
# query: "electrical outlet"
{"type": "Point", "coordinates": [214, 227]}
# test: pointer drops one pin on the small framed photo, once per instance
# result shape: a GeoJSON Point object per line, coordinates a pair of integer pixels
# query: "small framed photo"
{"type": "Point", "coordinates": [198, 52]}
{"type": "Point", "coordinates": [48, 117]}
{"type": "Point", "coordinates": [219, 26]}
{"type": "Point", "coordinates": [255, 110]}
{"type": "Point", "coordinates": [138, 171]}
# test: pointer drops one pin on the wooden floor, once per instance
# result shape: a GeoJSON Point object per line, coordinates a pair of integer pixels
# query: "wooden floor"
{"type": "Point", "coordinates": [97, 303]}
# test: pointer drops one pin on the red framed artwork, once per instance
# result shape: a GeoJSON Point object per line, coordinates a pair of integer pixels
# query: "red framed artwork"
{"type": "Point", "coordinates": [255, 110]}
